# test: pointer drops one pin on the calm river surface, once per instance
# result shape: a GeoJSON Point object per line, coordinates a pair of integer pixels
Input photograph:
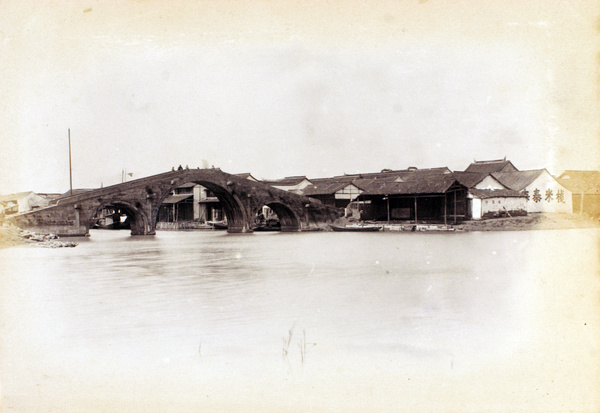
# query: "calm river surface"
{"type": "Point", "coordinates": [323, 321]}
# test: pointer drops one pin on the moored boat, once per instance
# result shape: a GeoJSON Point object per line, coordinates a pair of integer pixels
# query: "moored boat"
{"type": "Point", "coordinates": [217, 224]}
{"type": "Point", "coordinates": [356, 227]}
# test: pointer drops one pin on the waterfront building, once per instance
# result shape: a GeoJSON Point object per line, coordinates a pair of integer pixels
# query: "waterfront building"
{"type": "Point", "coordinates": [488, 198]}
{"type": "Point", "coordinates": [493, 203]}
{"type": "Point", "coordinates": [542, 191]}
{"type": "Point", "coordinates": [420, 196]}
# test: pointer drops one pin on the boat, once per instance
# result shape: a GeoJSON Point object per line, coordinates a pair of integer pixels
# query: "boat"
{"type": "Point", "coordinates": [116, 220]}
{"type": "Point", "coordinates": [217, 224]}
{"type": "Point", "coordinates": [356, 228]}
{"type": "Point", "coordinates": [269, 225]}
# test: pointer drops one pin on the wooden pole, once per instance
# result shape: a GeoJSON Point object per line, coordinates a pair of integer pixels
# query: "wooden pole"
{"type": "Point", "coordinates": [416, 220]}
{"type": "Point", "coordinates": [388, 209]}
{"type": "Point", "coordinates": [455, 207]}
{"type": "Point", "coordinates": [445, 208]}
{"type": "Point", "coordinates": [70, 167]}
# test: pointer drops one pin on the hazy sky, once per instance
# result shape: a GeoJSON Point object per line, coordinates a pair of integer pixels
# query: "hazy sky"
{"type": "Point", "coordinates": [279, 88]}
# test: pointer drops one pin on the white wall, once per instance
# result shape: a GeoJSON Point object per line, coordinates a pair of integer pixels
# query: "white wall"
{"type": "Point", "coordinates": [500, 204]}
{"type": "Point", "coordinates": [348, 192]}
{"type": "Point", "coordinates": [489, 182]}
{"type": "Point", "coordinates": [546, 190]}
{"type": "Point", "coordinates": [476, 208]}
{"type": "Point", "coordinates": [294, 188]}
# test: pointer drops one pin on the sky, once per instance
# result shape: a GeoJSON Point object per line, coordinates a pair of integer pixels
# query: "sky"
{"type": "Point", "coordinates": [282, 88]}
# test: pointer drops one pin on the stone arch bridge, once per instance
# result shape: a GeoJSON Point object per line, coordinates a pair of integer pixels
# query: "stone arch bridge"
{"type": "Point", "coordinates": [140, 199]}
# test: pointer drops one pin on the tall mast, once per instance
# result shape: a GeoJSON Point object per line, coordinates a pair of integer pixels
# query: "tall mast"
{"type": "Point", "coordinates": [70, 167]}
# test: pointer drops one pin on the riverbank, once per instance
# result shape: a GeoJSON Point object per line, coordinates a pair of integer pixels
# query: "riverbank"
{"type": "Point", "coordinates": [530, 222]}
{"type": "Point", "coordinates": [11, 236]}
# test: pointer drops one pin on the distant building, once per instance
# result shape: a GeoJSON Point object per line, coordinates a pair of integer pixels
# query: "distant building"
{"type": "Point", "coordinates": [22, 202]}
{"type": "Point", "coordinates": [295, 184]}
{"type": "Point", "coordinates": [247, 175]}
{"type": "Point", "coordinates": [336, 192]}
{"type": "Point", "coordinates": [499, 165]}
{"type": "Point", "coordinates": [190, 202]}
{"type": "Point", "coordinates": [585, 189]}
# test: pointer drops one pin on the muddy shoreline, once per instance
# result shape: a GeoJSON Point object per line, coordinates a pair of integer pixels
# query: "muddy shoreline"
{"type": "Point", "coordinates": [11, 236]}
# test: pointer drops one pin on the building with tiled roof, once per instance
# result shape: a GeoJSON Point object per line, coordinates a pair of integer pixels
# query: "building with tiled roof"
{"type": "Point", "coordinates": [543, 192]}
{"type": "Point", "coordinates": [294, 184]}
{"type": "Point", "coordinates": [479, 180]}
{"type": "Point", "coordinates": [421, 197]}
{"type": "Point", "coordinates": [490, 198]}
{"type": "Point", "coordinates": [333, 191]}
{"type": "Point", "coordinates": [499, 165]}
{"type": "Point", "coordinates": [21, 202]}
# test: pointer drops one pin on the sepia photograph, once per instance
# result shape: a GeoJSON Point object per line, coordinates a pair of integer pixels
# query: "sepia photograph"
{"type": "Point", "coordinates": [299, 206]}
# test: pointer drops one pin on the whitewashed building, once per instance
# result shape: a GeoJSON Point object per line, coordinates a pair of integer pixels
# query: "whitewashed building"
{"type": "Point", "coordinates": [295, 184]}
{"type": "Point", "coordinates": [22, 202]}
{"type": "Point", "coordinates": [334, 192]}
{"type": "Point", "coordinates": [491, 203]}
{"type": "Point", "coordinates": [542, 191]}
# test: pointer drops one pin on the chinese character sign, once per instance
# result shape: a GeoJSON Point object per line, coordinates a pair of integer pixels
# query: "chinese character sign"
{"type": "Point", "coordinates": [537, 196]}
{"type": "Point", "coordinates": [560, 196]}
{"type": "Point", "coordinates": [549, 195]}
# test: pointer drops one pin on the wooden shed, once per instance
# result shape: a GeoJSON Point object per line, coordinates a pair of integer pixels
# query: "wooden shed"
{"type": "Point", "coordinates": [420, 197]}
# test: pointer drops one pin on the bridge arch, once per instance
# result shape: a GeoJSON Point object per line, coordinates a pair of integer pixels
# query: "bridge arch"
{"type": "Point", "coordinates": [138, 221]}
{"type": "Point", "coordinates": [233, 208]}
{"type": "Point", "coordinates": [287, 218]}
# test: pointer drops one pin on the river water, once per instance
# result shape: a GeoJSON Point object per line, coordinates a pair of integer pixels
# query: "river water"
{"type": "Point", "coordinates": [322, 321]}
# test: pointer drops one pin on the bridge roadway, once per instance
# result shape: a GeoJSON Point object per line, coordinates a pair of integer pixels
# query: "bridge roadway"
{"type": "Point", "coordinates": [140, 199]}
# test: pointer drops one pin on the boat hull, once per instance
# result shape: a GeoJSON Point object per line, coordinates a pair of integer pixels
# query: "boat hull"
{"type": "Point", "coordinates": [358, 228]}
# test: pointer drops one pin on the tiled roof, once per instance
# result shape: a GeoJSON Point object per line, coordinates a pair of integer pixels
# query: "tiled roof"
{"type": "Point", "coordinates": [432, 183]}
{"type": "Point", "coordinates": [489, 166]}
{"type": "Point", "coordinates": [187, 185]}
{"type": "Point", "coordinates": [173, 199]}
{"type": "Point", "coordinates": [517, 180]}
{"type": "Point", "coordinates": [470, 179]}
{"type": "Point", "coordinates": [287, 181]}
{"type": "Point", "coordinates": [325, 188]}
{"type": "Point", "coordinates": [246, 175]}
{"type": "Point", "coordinates": [496, 193]}
{"type": "Point", "coordinates": [391, 175]}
